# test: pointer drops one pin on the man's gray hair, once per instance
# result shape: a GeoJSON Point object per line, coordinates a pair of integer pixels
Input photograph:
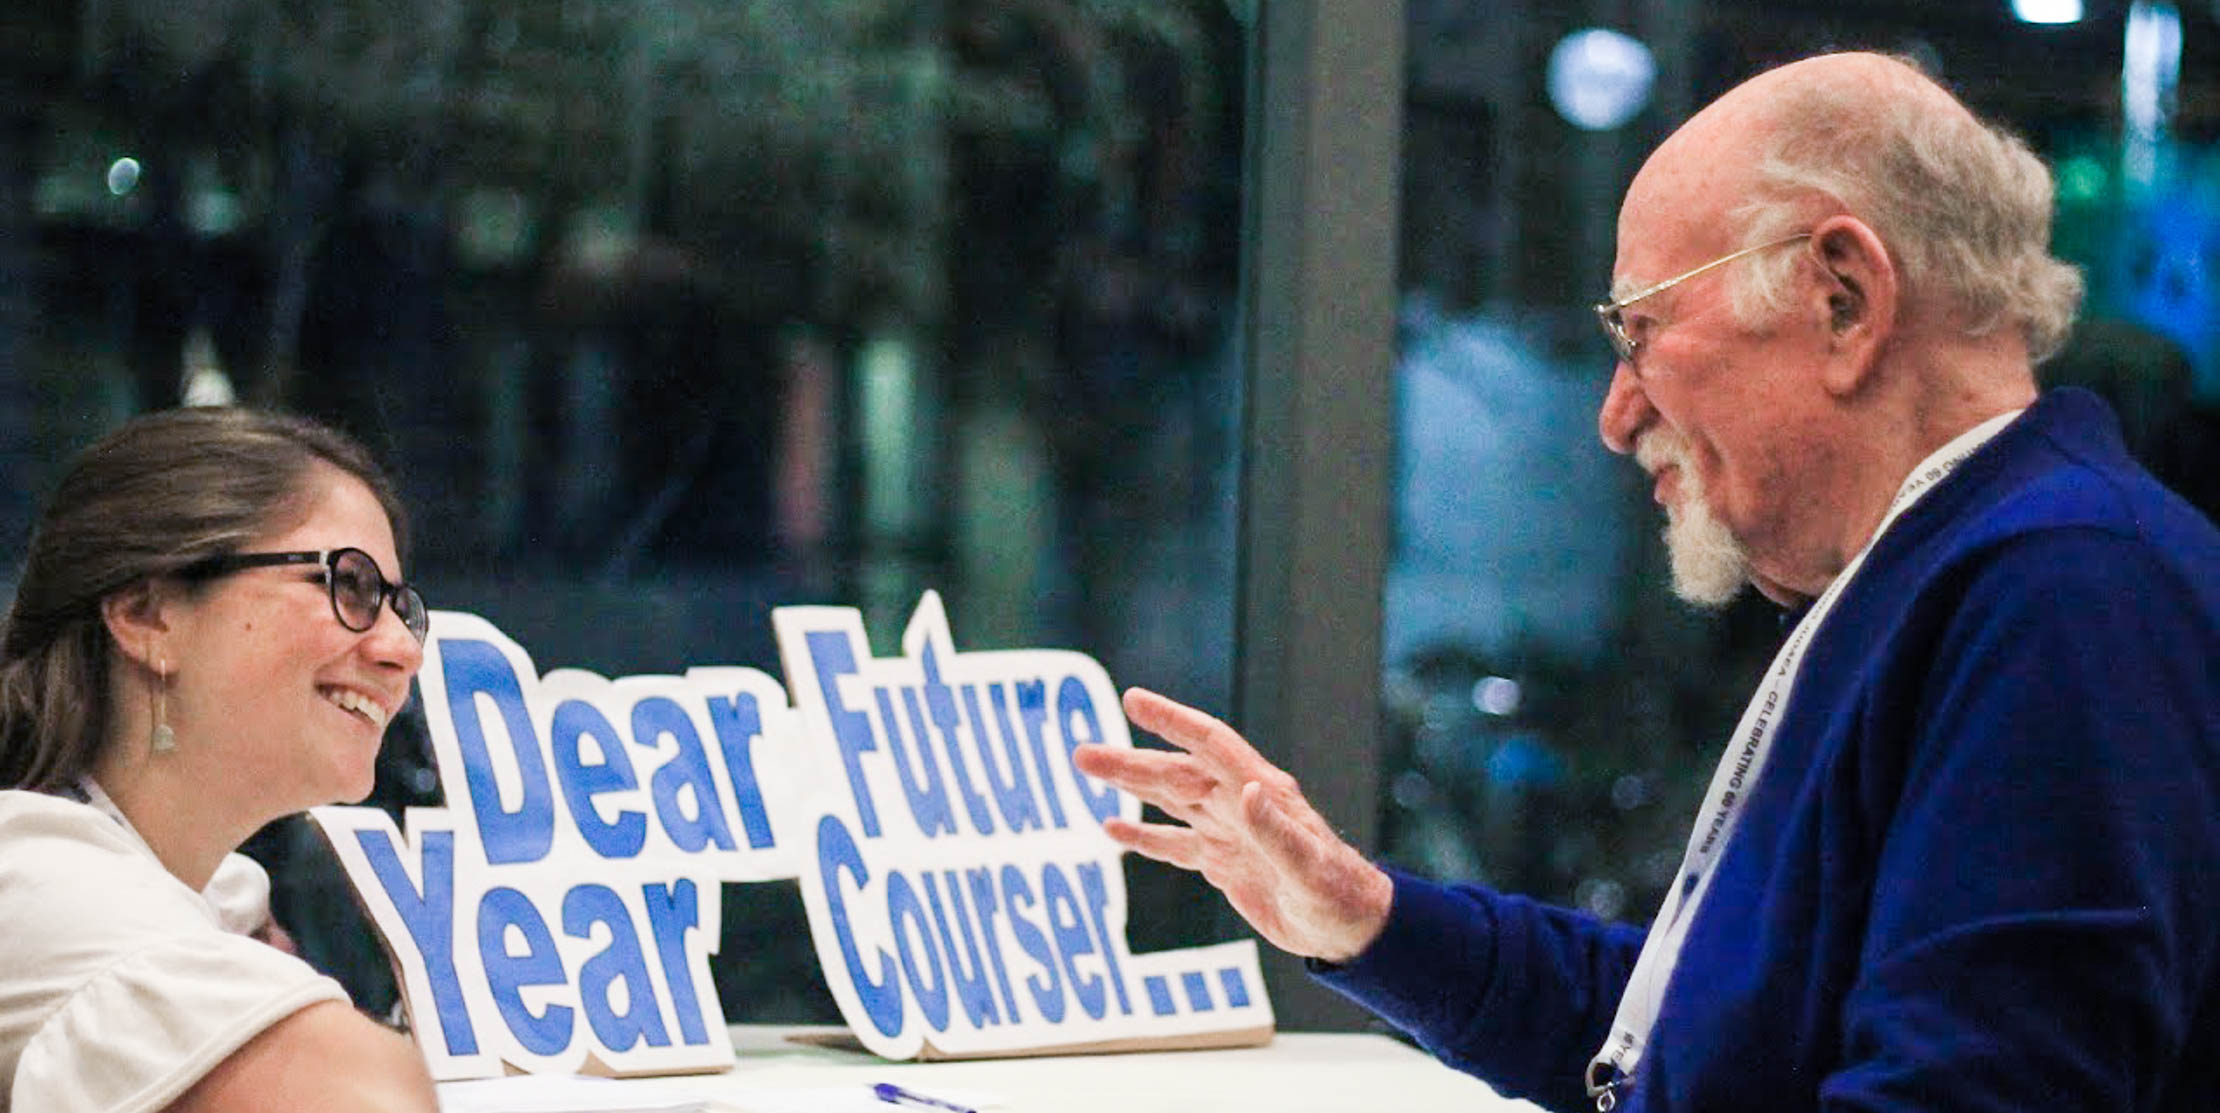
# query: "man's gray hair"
{"type": "Point", "coordinates": [1964, 207]}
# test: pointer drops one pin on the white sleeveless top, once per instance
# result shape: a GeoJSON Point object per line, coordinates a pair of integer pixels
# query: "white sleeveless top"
{"type": "Point", "coordinates": [120, 986]}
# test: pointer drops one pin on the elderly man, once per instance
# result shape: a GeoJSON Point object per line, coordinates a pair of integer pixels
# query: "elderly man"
{"type": "Point", "coordinates": [1963, 851]}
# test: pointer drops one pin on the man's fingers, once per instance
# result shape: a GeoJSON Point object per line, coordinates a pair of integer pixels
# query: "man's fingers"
{"type": "Point", "coordinates": [1163, 779]}
{"type": "Point", "coordinates": [1179, 846]}
{"type": "Point", "coordinates": [1198, 733]}
{"type": "Point", "coordinates": [1169, 719]}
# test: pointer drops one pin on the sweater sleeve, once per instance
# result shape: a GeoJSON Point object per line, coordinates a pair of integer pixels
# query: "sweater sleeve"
{"type": "Point", "coordinates": [2041, 930]}
{"type": "Point", "coordinates": [1516, 992]}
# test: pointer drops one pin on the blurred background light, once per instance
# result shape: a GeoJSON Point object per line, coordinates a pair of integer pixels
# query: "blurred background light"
{"type": "Point", "coordinates": [2150, 67]}
{"type": "Point", "coordinates": [1599, 79]}
{"type": "Point", "coordinates": [2150, 71]}
{"type": "Point", "coordinates": [123, 176]}
{"type": "Point", "coordinates": [1496, 695]}
{"type": "Point", "coordinates": [2047, 11]}
{"type": "Point", "coordinates": [2081, 179]}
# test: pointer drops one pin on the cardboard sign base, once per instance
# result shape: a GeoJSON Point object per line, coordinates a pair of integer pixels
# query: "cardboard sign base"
{"type": "Point", "coordinates": [841, 1039]}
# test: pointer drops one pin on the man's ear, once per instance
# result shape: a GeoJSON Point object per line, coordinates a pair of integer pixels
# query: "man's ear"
{"type": "Point", "coordinates": [137, 618]}
{"type": "Point", "coordinates": [1858, 298]}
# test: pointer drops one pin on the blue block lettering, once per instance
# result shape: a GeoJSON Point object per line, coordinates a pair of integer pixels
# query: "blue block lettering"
{"type": "Point", "coordinates": [674, 910]}
{"type": "Point", "coordinates": [975, 805]}
{"type": "Point", "coordinates": [1073, 704]}
{"type": "Point", "coordinates": [620, 961]}
{"type": "Point", "coordinates": [1098, 905]}
{"type": "Point", "coordinates": [582, 780]}
{"type": "Point", "coordinates": [918, 768]}
{"type": "Point", "coordinates": [1013, 795]}
{"type": "Point", "coordinates": [907, 917]}
{"type": "Point", "coordinates": [476, 668]}
{"type": "Point", "coordinates": [1237, 990]}
{"type": "Point", "coordinates": [835, 658]}
{"type": "Point", "coordinates": [1048, 995]}
{"type": "Point", "coordinates": [430, 919]}
{"type": "Point", "coordinates": [1032, 705]}
{"type": "Point", "coordinates": [1072, 941]}
{"type": "Point", "coordinates": [983, 898]}
{"type": "Point", "coordinates": [1160, 995]}
{"type": "Point", "coordinates": [507, 974]}
{"type": "Point", "coordinates": [836, 855]}
{"type": "Point", "coordinates": [687, 772]}
{"type": "Point", "coordinates": [739, 723]}
{"type": "Point", "coordinates": [969, 981]}
{"type": "Point", "coordinates": [1198, 991]}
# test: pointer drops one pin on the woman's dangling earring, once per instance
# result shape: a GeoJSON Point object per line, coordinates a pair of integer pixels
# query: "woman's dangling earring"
{"type": "Point", "coordinates": [163, 739]}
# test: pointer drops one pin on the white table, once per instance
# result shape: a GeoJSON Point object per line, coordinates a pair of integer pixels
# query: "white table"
{"type": "Point", "coordinates": [1304, 1072]}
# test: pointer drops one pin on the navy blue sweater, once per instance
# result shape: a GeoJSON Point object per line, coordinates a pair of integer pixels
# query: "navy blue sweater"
{"type": "Point", "coordinates": [1981, 870]}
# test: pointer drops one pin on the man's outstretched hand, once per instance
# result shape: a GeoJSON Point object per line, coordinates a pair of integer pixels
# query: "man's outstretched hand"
{"type": "Point", "coordinates": [1249, 831]}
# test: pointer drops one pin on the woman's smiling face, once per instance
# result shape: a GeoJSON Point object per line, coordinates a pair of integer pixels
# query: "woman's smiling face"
{"type": "Point", "coordinates": [267, 681]}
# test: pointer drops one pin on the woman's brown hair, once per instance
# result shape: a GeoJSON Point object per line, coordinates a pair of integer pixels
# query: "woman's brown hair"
{"type": "Point", "coordinates": [156, 495]}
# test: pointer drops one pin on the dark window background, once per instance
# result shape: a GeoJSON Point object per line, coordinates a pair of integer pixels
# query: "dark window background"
{"type": "Point", "coordinates": [666, 314]}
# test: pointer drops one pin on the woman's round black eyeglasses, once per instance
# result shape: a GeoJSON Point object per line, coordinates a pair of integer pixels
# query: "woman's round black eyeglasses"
{"type": "Point", "coordinates": [357, 588]}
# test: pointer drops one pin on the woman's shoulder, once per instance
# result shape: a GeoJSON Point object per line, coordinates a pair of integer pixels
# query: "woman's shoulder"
{"type": "Point", "coordinates": [43, 833]}
{"type": "Point", "coordinates": [38, 820]}
{"type": "Point", "coordinates": [69, 873]}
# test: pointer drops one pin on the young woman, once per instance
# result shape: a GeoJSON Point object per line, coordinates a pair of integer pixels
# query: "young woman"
{"type": "Point", "coordinates": [209, 633]}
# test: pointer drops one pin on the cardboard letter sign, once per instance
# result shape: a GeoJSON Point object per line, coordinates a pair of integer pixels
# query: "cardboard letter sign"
{"type": "Point", "coordinates": [559, 914]}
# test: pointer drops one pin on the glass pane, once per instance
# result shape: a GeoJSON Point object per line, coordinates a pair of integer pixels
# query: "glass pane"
{"type": "Point", "coordinates": [667, 314]}
{"type": "Point", "coordinates": [1554, 712]}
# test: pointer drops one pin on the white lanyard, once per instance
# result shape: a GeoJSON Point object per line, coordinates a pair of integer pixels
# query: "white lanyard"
{"type": "Point", "coordinates": [1613, 1067]}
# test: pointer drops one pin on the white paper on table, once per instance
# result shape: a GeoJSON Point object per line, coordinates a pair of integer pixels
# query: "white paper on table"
{"type": "Point", "coordinates": [564, 1093]}
{"type": "Point", "coordinates": [853, 1098]}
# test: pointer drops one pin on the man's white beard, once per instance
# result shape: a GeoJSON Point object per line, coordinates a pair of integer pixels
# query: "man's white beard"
{"type": "Point", "coordinates": [1709, 565]}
